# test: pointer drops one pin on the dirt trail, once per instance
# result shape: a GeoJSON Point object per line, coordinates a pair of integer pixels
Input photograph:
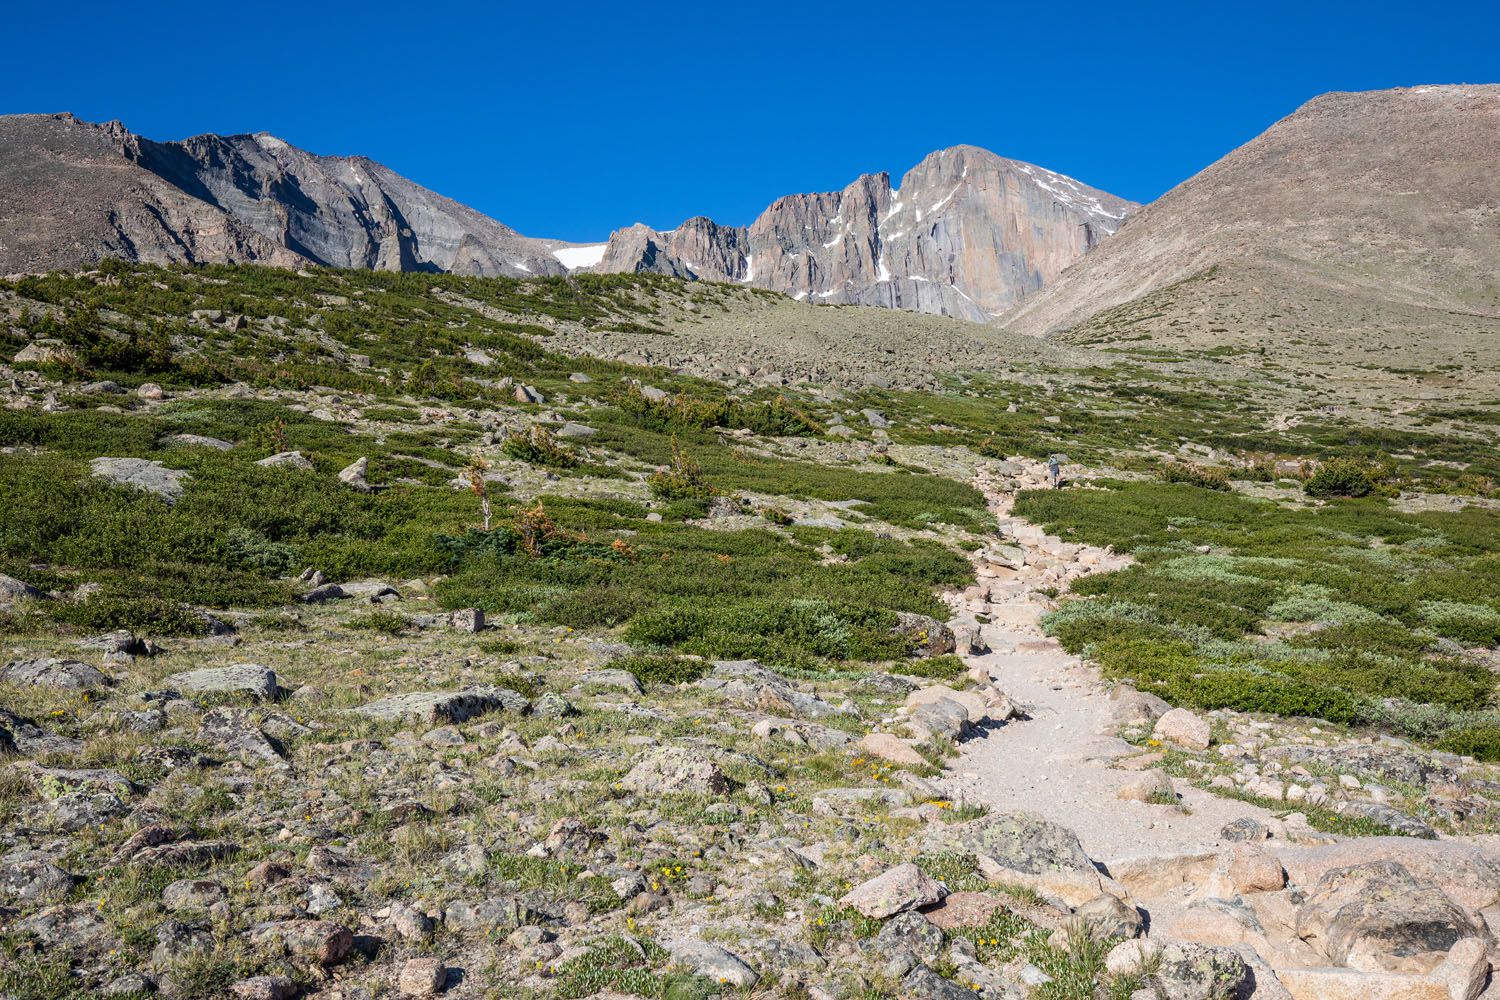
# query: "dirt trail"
{"type": "Point", "coordinates": [1058, 761]}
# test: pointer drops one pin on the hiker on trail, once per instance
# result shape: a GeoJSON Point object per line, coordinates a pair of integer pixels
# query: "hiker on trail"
{"type": "Point", "coordinates": [1054, 470]}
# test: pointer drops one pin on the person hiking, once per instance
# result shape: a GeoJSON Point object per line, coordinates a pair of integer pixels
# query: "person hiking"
{"type": "Point", "coordinates": [1054, 470]}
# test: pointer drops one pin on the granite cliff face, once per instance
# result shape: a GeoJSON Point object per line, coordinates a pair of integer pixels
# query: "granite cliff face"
{"type": "Point", "coordinates": [73, 193]}
{"type": "Point", "coordinates": [966, 234]}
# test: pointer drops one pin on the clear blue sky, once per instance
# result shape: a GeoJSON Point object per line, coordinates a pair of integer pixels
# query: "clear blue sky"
{"type": "Point", "coordinates": [569, 119]}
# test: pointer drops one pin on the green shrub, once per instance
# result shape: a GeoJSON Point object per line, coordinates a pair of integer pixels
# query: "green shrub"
{"type": "Point", "coordinates": [386, 622]}
{"type": "Point", "coordinates": [1479, 742]}
{"type": "Point", "coordinates": [141, 614]}
{"type": "Point", "coordinates": [539, 446]}
{"type": "Point", "coordinates": [1194, 475]}
{"type": "Point", "coordinates": [663, 669]}
{"type": "Point", "coordinates": [943, 668]}
{"type": "Point", "coordinates": [1340, 477]}
{"type": "Point", "coordinates": [683, 480]}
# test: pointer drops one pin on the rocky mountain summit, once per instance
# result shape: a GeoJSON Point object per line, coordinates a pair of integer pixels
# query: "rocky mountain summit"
{"type": "Point", "coordinates": [1358, 207]}
{"type": "Point", "coordinates": [967, 233]}
{"type": "Point", "coordinates": [74, 192]}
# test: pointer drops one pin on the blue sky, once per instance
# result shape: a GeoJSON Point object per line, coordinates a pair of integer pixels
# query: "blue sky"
{"type": "Point", "coordinates": [571, 119]}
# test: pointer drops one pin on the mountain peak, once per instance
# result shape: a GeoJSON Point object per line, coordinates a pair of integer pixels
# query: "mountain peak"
{"type": "Point", "coordinates": [966, 234]}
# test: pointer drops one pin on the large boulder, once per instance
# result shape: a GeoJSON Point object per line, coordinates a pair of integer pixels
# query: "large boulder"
{"type": "Point", "coordinates": [242, 679]}
{"type": "Point", "coordinates": [1183, 728]}
{"type": "Point", "coordinates": [142, 474]}
{"type": "Point", "coordinates": [1379, 917]}
{"type": "Point", "coordinates": [1468, 873]}
{"type": "Point", "coordinates": [676, 770]}
{"type": "Point", "coordinates": [718, 964]}
{"type": "Point", "coordinates": [1024, 849]}
{"type": "Point", "coordinates": [59, 675]}
{"type": "Point", "coordinates": [12, 590]}
{"type": "Point", "coordinates": [905, 887]}
{"type": "Point", "coordinates": [750, 684]}
{"type": "Point", "coordinates": [925, 636]}
{"type": "Point", "coordinates": [354, 475]}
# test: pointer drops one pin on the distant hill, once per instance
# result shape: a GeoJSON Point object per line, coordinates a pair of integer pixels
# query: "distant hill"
{"type": "Point", "coordinates": [1370, 216]}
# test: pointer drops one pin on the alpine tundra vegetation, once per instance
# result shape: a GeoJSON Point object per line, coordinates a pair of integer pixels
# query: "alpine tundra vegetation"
{"type": "Point", "coordinates": [482, 622]}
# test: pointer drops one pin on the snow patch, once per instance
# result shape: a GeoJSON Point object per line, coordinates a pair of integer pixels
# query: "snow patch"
{"type": "Point", "coordinates": [749, 269]}
{"type": "Point", "coordinates": [944, 201]}
{"type": "Point", "coordinates": [576, 257]}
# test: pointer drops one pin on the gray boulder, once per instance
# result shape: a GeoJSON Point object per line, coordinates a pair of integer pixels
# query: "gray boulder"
{"type": "Point", "coordinates": [197, 441]}
{"type": "Point", "coordinates": [620, 680]}
{"type": "Point", "coordinates": [921, 983]}
{"type": "Point", "coordinates": [20, 735]}
{"type": "Point", "coordinates": [29, 878]}
{"type": "Point", "coordinates": [353, 475]}
{"type": "Point", "coordinates": [235, 733]}
{"type": "Point", "coordinates": [710, 960]}
{"type": "Point", "coordinates": [249, 679]}
{"type": "Point", "coordinates": [751, 684]}
{"type": "Point", "coordinates": [436, 707]}
{"type": "Point", "coordinates": [61, 675]}
{"type": "Point", "coordinates": [12, 590]}
{"type": "Point", "coordinates": [142, 474]}
{"type": "Point", "coordinates": [286, 460]}
{"type": "Point", "coordinates": [676, 770]}
{"type": "Point", "coordinates": [577, 432]}
{"type": "Point", "coordinates": [925, 636]}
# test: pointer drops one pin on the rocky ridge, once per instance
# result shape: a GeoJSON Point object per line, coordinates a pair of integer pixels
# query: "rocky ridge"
{"type": "Point", "coordinates": [967, 234]}
{"type": "Point", "coordinates": [73, 193]}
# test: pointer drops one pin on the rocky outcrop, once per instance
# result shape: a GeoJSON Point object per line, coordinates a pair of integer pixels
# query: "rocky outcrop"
{"type": "Point", "coordinates": [73, 193]}
{"type": "Point", "coordinates": [966, 234]}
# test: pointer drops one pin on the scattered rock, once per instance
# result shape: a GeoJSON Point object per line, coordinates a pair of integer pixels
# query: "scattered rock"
{"type": "Point", "coordinates": [1184, 729]}
{"type": "Point", "coordinates": [1148, 786]}
{"type": "Point", "coordinates": [244, 679]}
{"type": "Point", "coordinates": [905, 887]}
{"type": "Point", "coordinates": [887, 747]}
{"type": "Point", "coordinates": [142, 474]}
{"type": "Point", "coordinates": [676, 770]}
{"type": "Point", "coordinates": [60, 675]}
{"type": "Point", "coordinates": [749, 683]}
{"type": "Point", "coordinates": [286, 460]}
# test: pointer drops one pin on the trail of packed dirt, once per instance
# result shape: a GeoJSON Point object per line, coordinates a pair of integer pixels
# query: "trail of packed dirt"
{"type": "Point", "coordinates": [1061, 759]}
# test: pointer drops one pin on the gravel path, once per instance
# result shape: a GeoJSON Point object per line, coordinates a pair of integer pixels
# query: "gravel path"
{"type": "Point", "coordinates": [1058, 761]}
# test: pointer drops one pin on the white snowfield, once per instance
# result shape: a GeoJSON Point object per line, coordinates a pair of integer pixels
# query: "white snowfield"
{"type": "Point", "coordinates": [584, 256]}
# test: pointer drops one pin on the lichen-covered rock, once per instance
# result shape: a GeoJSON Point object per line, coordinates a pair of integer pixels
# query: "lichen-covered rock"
{"type": "Point", "coordinates": [905, 887]}
{"type": "Point", "coordinates": [62, 675]}
{"type": "Point", "coordinates": [142, 474]}
{"type": "Point", "coordinates": [246, 679]}
{"type": "Point", "coordinates": [1379, 917]}
{"type": "Point", "coordinates": [676, 770]}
